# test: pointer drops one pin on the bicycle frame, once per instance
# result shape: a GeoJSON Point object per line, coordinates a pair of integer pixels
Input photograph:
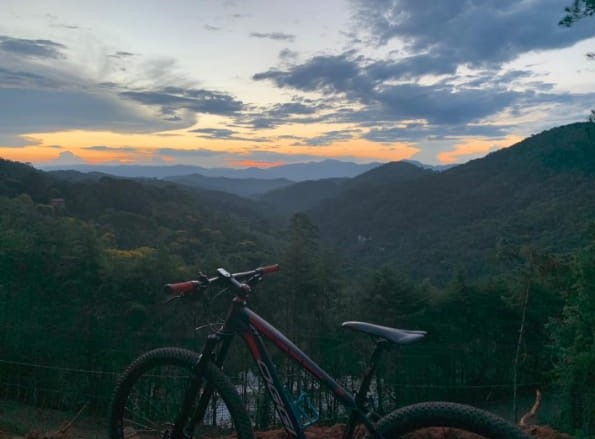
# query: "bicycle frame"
{"type": "Point", "coordinates": [252, 328]}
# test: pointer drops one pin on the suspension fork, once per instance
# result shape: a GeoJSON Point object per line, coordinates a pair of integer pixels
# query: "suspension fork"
{"type": "Point", "coordinates": [184, 425]}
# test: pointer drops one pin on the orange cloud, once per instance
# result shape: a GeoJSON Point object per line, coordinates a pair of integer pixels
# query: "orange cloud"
{"type": "Point", "coordinates": [28, 154]}
{"type": "Point", "coordinates": [131, 148]}
{"type": "Point", "coordinates": [474, 148]}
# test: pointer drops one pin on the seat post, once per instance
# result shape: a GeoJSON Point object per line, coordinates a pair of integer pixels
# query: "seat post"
{"type": "Point", "coordinates": [360, 398]}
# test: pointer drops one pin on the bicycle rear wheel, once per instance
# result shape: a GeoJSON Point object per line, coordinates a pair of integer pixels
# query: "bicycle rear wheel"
{"type": "Point", "coordinates": [438, 420]}
{"type": "Point", "coordinates": [149, 396]}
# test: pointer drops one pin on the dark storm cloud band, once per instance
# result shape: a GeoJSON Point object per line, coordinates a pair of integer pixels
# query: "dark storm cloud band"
{"type": "Point", "coordinates": [225, 134]}
{"type": "Point", "coordinates": [478, 33]}
{"type": "Point", "coordinates": [437, 103]}
{"type": "Point", "coordinates": [174, 98]}
{"type": "Point", "coordinates": [31, 48]}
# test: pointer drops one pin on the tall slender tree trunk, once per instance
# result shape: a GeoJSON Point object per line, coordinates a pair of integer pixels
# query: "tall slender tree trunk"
{"type": "Point", "coordinates": [517, 355]}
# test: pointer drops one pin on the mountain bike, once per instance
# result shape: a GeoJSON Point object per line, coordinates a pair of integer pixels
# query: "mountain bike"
{"type": "Point", "coordinates": [174, 393]}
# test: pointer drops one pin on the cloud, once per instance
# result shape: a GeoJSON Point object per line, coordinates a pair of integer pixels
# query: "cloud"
{"type": "Point", "coordinates": [31, 48]}
{"type": "Point", "coordinates": [122, 54]}
{"type": "Point", "coordinates": [35, 110]}
{"type": "Point", "coordinates": [386, 95]}
{"type": "Point", "coordinates": [290, 108]}
{"type": "Point", "coordinates": [20, 78]}
{"type": "Point", "coordinates": [288, 55]}
{"type": "Point", "coordinates": [471, 148]}
{"type": "Point", "coordinates": [369, 85]}
{"type": "Point", "coordinates": [219, 133]}
{"type": "Point", "coordinates": [225, 134]}
{"type": "Point", "coordinates": [66, 158]}
{"type": "Point", "coordinates": [41, 91]}
{"type": "Point", "coordinates": [481, 33]}
{"type": "Point", "coordinates": [330, 137]}
{"type": "Point", "coordinates": [276, 36]}
{"type": "Point", "coordinates": [8, 140]}
{"type": "Point", "coordinates": [111, 148]}
{"type": "Point", "coordinates": [465, 53]}
{"type": "Point", "coordinates": [329, 74]}
{"type": "Point", "coordinates": [416, 132]}
{"type": "Point", "coordinates": [297, 111]}
{"type": "Point", "coordinates": [441, 104]}
{"type": "Point", "coordinates": [172, 99]}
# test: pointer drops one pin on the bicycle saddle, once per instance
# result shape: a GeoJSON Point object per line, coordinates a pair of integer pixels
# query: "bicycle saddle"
{"type": "Point", "coordinates": [394, 335]}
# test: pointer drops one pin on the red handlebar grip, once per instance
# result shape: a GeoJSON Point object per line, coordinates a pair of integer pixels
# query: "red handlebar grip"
{"type": "Point", "coordinates": [181, 288]}
{"type": "Point", "coordinates": [270, 268]}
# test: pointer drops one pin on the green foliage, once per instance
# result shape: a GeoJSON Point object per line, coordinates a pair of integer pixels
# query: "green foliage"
{"type": "Point", "coordinates": [538, 192]}
{"type": "Point", "coordinates": [306, 195]}
{"type": "Point", "coordinates": [574, 347]}
{"type": "Point", "coordinates": [462, 253]}
{"type": "Point", "coordinates": [579, 9]}
{"type": "Point", "coordinates": [392, 299]}
{"type": "Point", "coordinates": [80, 285]}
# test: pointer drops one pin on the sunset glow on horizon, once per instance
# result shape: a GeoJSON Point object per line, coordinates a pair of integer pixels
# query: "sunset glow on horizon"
{"type": "Point", "coordinates": [242, 84]}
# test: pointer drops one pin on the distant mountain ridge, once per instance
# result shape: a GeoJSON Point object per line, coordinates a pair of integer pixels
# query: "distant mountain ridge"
{"type": "Point", "coordinates": [244, 187]}
{"type": "Point", "coordinates": [294, 172]}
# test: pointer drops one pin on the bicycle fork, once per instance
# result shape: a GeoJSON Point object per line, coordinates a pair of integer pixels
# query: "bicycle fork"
{"type": "Point", "coordinates": [184, 425]}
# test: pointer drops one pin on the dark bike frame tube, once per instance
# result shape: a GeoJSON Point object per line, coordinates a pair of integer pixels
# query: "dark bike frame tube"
{"type": "Point", "coordinates": [251, 328]}
{"type": "Point", "coordinates": [296, 354]}
{"type": "Point", "coordinates": [282, 399]}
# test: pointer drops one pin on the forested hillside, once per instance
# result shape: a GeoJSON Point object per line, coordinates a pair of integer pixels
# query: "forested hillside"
{"type": "Point", "coordinates": [308, 195]}
{"type": "Point", "coordinates": [81, 269]}
{"type": "Point", "coordinates": [538, 193]}
{"type": "Point", "coordinates": [494, 259]}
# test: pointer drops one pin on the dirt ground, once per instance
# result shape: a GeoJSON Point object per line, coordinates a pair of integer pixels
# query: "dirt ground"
{"type": "Point", "coordinates": [336, 431]}
{"type": "Point", "coordinates": [22, 422]}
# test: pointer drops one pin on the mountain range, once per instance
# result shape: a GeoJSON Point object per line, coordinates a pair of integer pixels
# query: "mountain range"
{"type": "Point", "coordinates": [428, 224]}
{"type": "Point", "coordinates": [293, 172]}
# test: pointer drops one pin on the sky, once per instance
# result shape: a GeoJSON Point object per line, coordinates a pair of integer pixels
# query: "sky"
{"type": "Point", "coordinates": [263, 83]}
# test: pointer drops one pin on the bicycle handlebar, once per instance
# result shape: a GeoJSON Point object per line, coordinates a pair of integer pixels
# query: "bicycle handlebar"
{"type": "Point", "coordinates": [181, 288]}
{"type": "Point", "coordinates": [270, 268]}
{"type": "Point", "coordinates": [191, 286]}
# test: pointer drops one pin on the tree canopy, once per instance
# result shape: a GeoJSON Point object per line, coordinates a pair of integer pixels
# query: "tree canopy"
{"type": "Point", "coordinates": [579, 9]}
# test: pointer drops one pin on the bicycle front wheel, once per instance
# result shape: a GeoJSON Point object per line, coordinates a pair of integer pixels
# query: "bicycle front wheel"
{"type": "Point", "coordinates": [438, 420]}
{"type": "Point", "coordinates": [149, 396]}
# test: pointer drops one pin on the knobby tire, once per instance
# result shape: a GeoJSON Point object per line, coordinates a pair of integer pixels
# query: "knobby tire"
{"type": "Point", "coordinates": [149, 395]}
{"type": "Point", "coordinates": [461, 418]}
